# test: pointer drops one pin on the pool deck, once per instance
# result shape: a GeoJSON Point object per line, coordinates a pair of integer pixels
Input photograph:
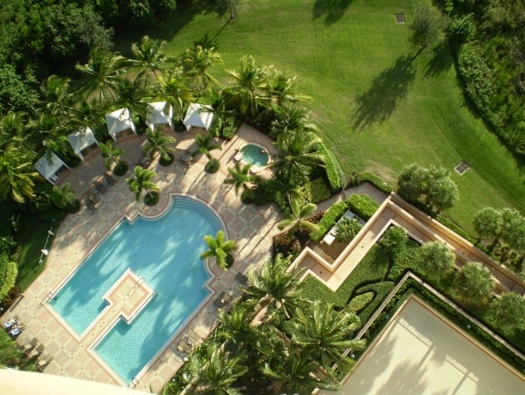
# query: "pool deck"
{"type": "Point", "coordinates": [79, 234]}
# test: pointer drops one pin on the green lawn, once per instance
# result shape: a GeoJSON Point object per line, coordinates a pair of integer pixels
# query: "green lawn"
{"type": "Point", "coordinates": [378, 108]}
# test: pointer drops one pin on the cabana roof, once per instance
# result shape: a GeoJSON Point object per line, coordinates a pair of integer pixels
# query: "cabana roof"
{"type": "Point", "coordinates": [157, 115]}
{"type": "Point", "coordinates": [48, 167]}
{"type": "Point", "coordinates": [198, 116]}
{"type": "Point", "coordinates": [119, 120]}
{"type": "Point", "coordinates": [81, 139]}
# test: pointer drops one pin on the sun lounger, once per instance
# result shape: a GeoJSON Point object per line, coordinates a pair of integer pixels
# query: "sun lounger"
{"type": "Point", "coordinates": [109, 178]}
{"type": "Point", "coordinates": [90, 204]}
{"type": "Point", "coordinates": [183, 347]}
{"type": "Point", "coordinates": [43, 362]}
{"type": "Point", "coordinates": [28, 347]}
{"type": "Point", "coordinates": [241, 278]}
{"type": "Point", "coordinates": [37, 351]}
{"type": "Point", "coordinates": [194, 336]}
{"type": "Point", "coordinates": [101, 187]}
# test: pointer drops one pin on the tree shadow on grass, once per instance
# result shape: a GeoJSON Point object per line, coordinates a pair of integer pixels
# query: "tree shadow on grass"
{"type": "Point", "coordinates": [379, 102]}
{"type": "Point", "coordinates": [441, 61]}
{"type": "Point", "coordinates": [332, 9]}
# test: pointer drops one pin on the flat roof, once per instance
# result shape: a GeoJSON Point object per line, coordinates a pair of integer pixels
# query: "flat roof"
{"type": "Point", "coordinates": [421, 352]}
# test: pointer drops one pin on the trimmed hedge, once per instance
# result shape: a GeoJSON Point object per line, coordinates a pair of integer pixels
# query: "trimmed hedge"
{"type": "Point", "coordinates": [360, 301]}
{"type": "Point", "coordinates": [230, 127]}
{"type": "Point", "coordinates": [334, 173]}
{"type": "Point", "coordinates": [8, 273]}
{"type": "Point", "coordinates": [362, 205]}
{"type": "Point", "coordinates": [376, 181]}
{"type": "Point", "coordinates": [319, 190]}
{"type": "Point", "coordinates": [329, 219]}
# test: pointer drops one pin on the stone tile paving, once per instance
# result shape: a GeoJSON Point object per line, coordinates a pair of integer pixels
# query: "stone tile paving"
{"type": "Point", "coordinates": [79, 234]}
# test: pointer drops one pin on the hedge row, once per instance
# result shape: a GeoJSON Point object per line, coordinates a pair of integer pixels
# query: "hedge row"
{"type": "Point", "coordinates": [334, 173]}
{"type": "Point", "coordinates": [319, 190]}
{"type": "Point", "coordinates": [8, 273]}
{"type": "Point", "coordinates": [375, 181]}
{"type": "Point", "coordinates": [359, 302]}
{"type": "Point", "coordinates": [329, 219]}
{"type": "Point", "coordinates": [362, 205]}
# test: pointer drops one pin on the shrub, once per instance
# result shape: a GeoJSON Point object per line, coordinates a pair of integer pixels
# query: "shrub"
{"type": "Point", "coordinates": [287, 244]}
{"type": "Point", "coordinates": [215, 127]}
{"type": "Point", "coordinates": [334, 173]}
{"type": "Point", "coordinates": [347, 229]}
{"type": "Point", "coordinates": [212, 166]}
{"type": "Point", "coordinates": [151, 198]}
{"type": "Point", "coordinates": [331, 216]}
{"type": "Point", "coordinates": [318, 190]}
{"type": "Point", "coordinates": [8, 273]}
{"type": "Point", "coordinates": [375, 181]}
{"type": "Point", "coordinates": [73, 207]}
{"type": "Point", "coordinates": [360, 302]}
{"type": "Point", "coordinates": [166, 160]}
{"type": "Point", "coordinates": [230, 126]}
{"type": "Point", "coordinates": [121, 168]}
{"type": "Point", "coordinates": [362, 205]}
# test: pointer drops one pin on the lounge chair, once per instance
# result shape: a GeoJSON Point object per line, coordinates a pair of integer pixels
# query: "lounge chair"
{"type": "Point", "coordinates": [183, 347]}
{"type": "Point", "coordinates": [194, 336]}
{"type": "Point", "coordinates": [241, 278]}
{"type": "Point", "coordinates": [109, 178]}
{"type": "Point", "coordinates": [37, 351]}
{"type": "Point", "coordinates": [43, 362]}
{"type": "Point", "coordinates": [90, 204]}
{"type": "Point", "coordinates": [101, 187]}
{"type": "Point", "coordinates": [28, 347]}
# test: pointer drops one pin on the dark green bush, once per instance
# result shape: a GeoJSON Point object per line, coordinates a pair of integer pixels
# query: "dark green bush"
{"type": "Point", "coordinates": [230, 127]}
{"type": "Point", "coordinates": [120, 169]}
{"type": "Point", "coordinates": [248, 196]}
{"type": "Point", "coordinates": [212, 166]}
{"type": "Point", "coordinates": [166, 160]}
{"type": "Point", "coordinates": [216, 126]}
{"type": "Point", "coordinates": [287, 244]}
{"type": "Point", "coordinates": [362, 205]}
{"type": "Point", "coordinates": [74, 207]}
{"type": "Point", "coordinates": [331, 216]}
{"type": "Point", "coordinates": [151, 198]}
{"type": "Point", "coordinates": [461, 29]}
{"type": "Point", "coordinates": [319, 191]}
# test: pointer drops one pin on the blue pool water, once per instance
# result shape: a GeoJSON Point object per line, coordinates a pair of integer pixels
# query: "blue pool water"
{"type": "Point", "coordinates": [165, 252]}
{"type": "Point", "coordinates": [251, 153]}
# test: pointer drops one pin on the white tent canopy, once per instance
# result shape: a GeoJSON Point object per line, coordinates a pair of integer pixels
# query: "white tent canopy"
{"type": "Point", "coordinates": [157, 115]}
{"type": "Point", "coordinates": [198, 116]}
{"type": "Point", "coordinates": [49, 167]}
{"type": "Point", "coordinates": [82, 139]}
{"type": "Point", "coordinates": [119, 121]}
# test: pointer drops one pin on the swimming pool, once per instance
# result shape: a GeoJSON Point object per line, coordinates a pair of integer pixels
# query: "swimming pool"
{"type": "Point", "coordinates": [255, 155]}
{"type": "Point", "coordinates": [165, 253]}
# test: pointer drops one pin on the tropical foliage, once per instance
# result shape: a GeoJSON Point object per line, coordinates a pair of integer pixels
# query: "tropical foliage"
{"type": "Point", "coordinates": [220, 249]}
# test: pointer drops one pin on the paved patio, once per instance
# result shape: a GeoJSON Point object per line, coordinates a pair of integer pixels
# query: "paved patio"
{"type": "Point", "coordinates": [79, 234]}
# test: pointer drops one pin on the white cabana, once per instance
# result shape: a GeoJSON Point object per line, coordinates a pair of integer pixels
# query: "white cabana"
{"type": "Point", "coordinates": [198, 116]}
{"type": "Point", "coordinates": [119, 121]}
{"type": "Point", "coordinates": [81, 140]}
{"type": "Point", "coordinates": [50, 167]}
{"type": "Point", "coordinates": [157, 115]}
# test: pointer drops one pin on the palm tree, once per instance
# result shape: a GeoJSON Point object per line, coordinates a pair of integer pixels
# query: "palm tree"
{"type": "Point", "coordinates": [282, 189]}
{"type": "Point", "coordinates": [249, 81]}
{"type": "Point", "coordinates": [175, 90]}
{"type": "Point", "coordinates": [508, 311]}
{"type": "Point", "coordinates": [277, 288]}
{"type": "Point", "coordinates": [206, 145]}
{"type": "Point", "coordinates": [89, 113]}
{"type": "Point", "coordinates": [292, 118]}
{"type": "Point", "coordinates": [10, 354]}
{"type": "Point", "coordinates": [141, 181]}
{"type": "Point", "coordinates": [296, 218]}
{"type": "Point", "coordinates": [347, 229]}
{"type": "Point", "coordinates": [294, 374]}
{"type": "Point", "coordinates": [17, 175]}
{"type": "Point", "coordinates": [102, 70]}
{"type": "Point", "coordinates": [474, 283]}
{"type": "Point", "coordinates": [239, 177]}
{"type": "Point", "coordinates": [12, 132]}
{"type": "Point", "coordinates": [56, 98]}
{"type": "Point", "coordinates": [325, 334]}
{"type": "Point", "coordinates": [280, 87]}
{"type": "Point", "coordinates": [130, 94]}
{"type": "Point", "coordinates": [298, 155]}
{"type": "Point", "coordinates": [197, 61]}
{"type": "Point", "coordinates": [510, 230]}
{"type": "Point", "coordinates": [436, 257]}
{"type": "Point", "coordinates": [220, 249]}
{"type": "Point", "coordinates": [393, 241]}
{"type": "Point", "coordinates": [50, 135]}
{"type": "Point", "coordinates": [63, 196]}
{"type": "Point", "coordinates": [217, 104]}
{"type": "Point", "coordinates": [111, 153]}
{"type": "Point", "coordinates": [158, 143]}
{"type": "Point", "coordinates": [487, 223]}
{"type": "Point", "coordinates": [149, 54]}
{"type": "Point", "coordinates": [214, 373]}
{"type": "Point", "coordinates": [413, 182]}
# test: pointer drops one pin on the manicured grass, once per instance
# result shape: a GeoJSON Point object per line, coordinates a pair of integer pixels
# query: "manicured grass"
{"type": "Point", "coordinates": [33, 237]}
{"type": "Point", "coordinates": [378, 107]}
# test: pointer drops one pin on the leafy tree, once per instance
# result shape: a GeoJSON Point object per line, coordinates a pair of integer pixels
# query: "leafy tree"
{"type": "Point", "coordinates": [298, 156]}
{"type": "Point", "coordinates": [292, 119]}
{"type": "Point", "coordinates": [282, 190]}
{"type": "Point", "coordinates": [426, 26]}
{"type": "Point", "coordinates": [134, 12]}
{"type": "Point", "coordinates": [293, 374]}
{"type": "Point", "coordinates": [394, 241]}
{"type": "Point", "coordinates": [220, 249]}
{"type": "Point", "coordinates": [17, 176]}
{"type": "Point", "coordinates": [413, 182]}
{"type": "Point", "coordinates": [111, 153]}
{"type": "Point", "coordinates": [17, 93]}
{"type": "Point", "coordinates": [205, 145]}
{"type": "Point", "coordinates": [174, 89]}
{"type": "Point", "coordinates": [296, 218]}
{"type": "Point", "coordinates": [101, 71]}
{"type": "Point", "coordinates": [56, 97]}
{"type": "Point", "coordinates": [487, 223]}
{"type": "Point", "coordinates": [435, 257]}
{"type": "Point", "coordinates": [347, 229]}
{"type": "Point", "coordinates": [141, 181]}
{"type": "Point", "coordinates": [215, 372]}
{"type": "Point", "coordinates": [474, 283]}
{"type": "Point", "coordinates": [442, 192]}
{"type": "Point", "coordinates": [508, 311]}
{"type": "Point", "coordinates": [511, 229]}
{"type": "Point", "coordinates": [325, 334]}
{"type": "Point", "coordinates": [217, 104]}
{"type": "Point", "coordinates": [10, 354]}
{"type": "Point", "coordinates": [248, 83]}
{"type": "Point", "coordinates": [277, 287]}
{"type": "Point", "coordinates": [49, 136]}
{"type": "Point", "coordinates": [197, 61]}
{"type": "Point", "coordinates": [158, 144]}
{"type": "Point", "coordinates": [13, 133]}
{"type": "Point", "coordinates": [239, 177]}
{"type": "Point", "coordinates": [62, 196]}
{"type": "Point", "coordinates": [280, 86]}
